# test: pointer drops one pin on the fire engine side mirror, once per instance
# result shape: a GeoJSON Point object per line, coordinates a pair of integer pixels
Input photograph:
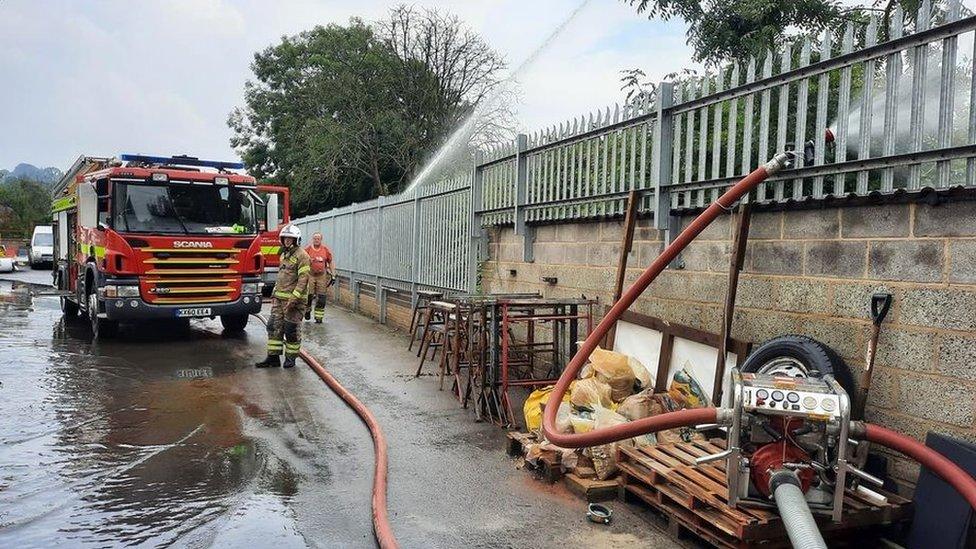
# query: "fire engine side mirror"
{"type": "Point", "coordinates": [271, 211]}
{"type": "Point", "coordinates": [101, 187]}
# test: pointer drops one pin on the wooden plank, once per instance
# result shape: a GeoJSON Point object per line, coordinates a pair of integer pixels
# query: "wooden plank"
{"type": "Point", "coordinates": [736, 261]}
{"type": "Point", "coordinates": [626, 244]}
{"type": "Point", "coordinates": [592, 490]}
{"type": "Point", "coordinates": [664, 363]}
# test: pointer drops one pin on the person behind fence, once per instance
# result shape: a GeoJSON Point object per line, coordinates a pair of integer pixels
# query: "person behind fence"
{"type": "Point", "coordinates": [284, 330]}
{"type": "Point", "coordinates": [321, 277]}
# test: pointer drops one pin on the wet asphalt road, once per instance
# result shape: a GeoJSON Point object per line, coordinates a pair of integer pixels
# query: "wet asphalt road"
{"type": "Point", "coordinates": [169, 436]}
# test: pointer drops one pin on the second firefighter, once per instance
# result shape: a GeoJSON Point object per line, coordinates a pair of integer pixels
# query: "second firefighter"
{"type": "Point", "coordinates": [290, 293]}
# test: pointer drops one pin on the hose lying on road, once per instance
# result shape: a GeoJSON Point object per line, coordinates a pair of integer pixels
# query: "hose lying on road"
{"type": "Point", "coordinates": [381, 522]}
{"type": "Point", "coordinates": [961, 481]}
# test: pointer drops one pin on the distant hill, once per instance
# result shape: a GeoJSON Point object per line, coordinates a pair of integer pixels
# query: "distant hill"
{"type": "Point", "coordinates": [45, 176]}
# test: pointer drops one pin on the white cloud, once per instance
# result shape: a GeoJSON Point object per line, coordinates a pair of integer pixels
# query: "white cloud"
{"type": "Point", "coordinates": [161, 76]}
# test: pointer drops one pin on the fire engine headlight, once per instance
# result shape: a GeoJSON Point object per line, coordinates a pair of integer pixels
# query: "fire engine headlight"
{"type": "Point", "coordinates": [250, 288]}
{"type": "Point", "coordinates": [128, 291]}
{"type": "Point", "coordinates": [120, 291]}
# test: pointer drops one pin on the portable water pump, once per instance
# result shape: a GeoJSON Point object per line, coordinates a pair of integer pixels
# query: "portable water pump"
{"type": "Point", "coordinates": [788, 448]}
{"type": "Point", "coordinates": [789, 429]}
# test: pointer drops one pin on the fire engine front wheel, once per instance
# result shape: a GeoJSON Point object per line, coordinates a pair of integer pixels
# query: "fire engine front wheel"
{"type": "Point", "coordinates": [234, 323]}
{"type": "Point", "coordinates": [69, 308]}
{"type": "Point", "coordinates": [100, 327]}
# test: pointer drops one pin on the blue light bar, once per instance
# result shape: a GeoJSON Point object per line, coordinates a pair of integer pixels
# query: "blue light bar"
{"type": "Point", "coordinates": [182, 160]}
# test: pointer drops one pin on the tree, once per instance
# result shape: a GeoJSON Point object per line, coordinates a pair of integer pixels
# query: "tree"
{"type": "Point", "coordinates": [23, 204]}
{"type": "Point", "coordinates": [347, 113]}
{"type": "Point", "coordinates": [736, 29]}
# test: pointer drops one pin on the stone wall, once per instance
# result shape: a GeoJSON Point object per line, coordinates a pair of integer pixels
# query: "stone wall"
{"type": "Point", "coordinates": [808, 272]}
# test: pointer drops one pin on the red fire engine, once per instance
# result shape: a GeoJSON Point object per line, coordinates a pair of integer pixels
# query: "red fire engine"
{"type": "Point", "coordinates": [144, 237]}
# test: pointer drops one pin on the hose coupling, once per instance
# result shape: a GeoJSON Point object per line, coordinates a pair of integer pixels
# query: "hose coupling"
{"type": "Point", "coordinates": [724, 416]}
{"type": "Point", "coordinates": [781, 477]}
{"type": "Point", "coordinates": [779, 162]}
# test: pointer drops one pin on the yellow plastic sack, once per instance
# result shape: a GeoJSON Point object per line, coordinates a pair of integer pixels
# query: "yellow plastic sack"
{"type": "Point", "coordinates": [581, 424]}
{"type": "Point", "coordinates": [613, 369]}
{"type": "Point", "coordinates": [590, 393]}
{"type": "Point", "coordinates": [536, 403]}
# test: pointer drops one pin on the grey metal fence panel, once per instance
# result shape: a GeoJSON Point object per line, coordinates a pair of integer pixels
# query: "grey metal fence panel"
{"type": "Point", "coordinates": [397, 241]}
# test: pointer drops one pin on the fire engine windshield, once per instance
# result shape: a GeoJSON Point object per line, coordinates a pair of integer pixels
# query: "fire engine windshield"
{"type": "Point", "coordinates": [184, 208]}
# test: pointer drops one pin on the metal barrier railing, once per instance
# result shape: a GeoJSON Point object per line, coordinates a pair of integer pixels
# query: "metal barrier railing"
{"type": "Point", "coordinates": [901, 105]}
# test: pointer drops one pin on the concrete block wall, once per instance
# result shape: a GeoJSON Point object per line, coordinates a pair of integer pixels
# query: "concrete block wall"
{"type": "Point", "coordinates": [809, 272]}
{"type": "Point", "coordinates": [398, 310]}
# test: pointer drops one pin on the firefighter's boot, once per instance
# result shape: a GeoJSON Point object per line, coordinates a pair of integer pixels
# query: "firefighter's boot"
{"type": "Point", "coordinates": [289, 362]}
{"type": "Point", "coordinates": [273, 361]}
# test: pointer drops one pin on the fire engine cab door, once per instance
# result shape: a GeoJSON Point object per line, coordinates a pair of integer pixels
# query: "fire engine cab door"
{"type": "Point", "coordinates": [87, 206]}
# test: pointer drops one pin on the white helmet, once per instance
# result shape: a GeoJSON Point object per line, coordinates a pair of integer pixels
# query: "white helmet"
{"type": "Point", "coordinates": [291, 231]}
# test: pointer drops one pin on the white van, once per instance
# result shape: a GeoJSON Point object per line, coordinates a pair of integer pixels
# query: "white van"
{"type": "Point", "coordinates": [41, 247]}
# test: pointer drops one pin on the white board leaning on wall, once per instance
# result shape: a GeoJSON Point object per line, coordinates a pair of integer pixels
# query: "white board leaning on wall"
{"type": "Point", "coordinates": [644, 344]}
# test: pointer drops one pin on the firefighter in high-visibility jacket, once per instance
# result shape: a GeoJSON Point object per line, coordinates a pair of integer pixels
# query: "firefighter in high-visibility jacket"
{"type": "Point", "coordinates": [290, 293]}
{"type": "Point", "coordinates": [321, 277]}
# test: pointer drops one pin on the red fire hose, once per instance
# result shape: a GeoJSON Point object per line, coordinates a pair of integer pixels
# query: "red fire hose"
{"type": "Point", "coordinates": [948, 471]}
{"type": "Point", "coordinates": [938, 464]}
{"type": "Point", "coordinates": [381, 522]}
{"type": "Point", "coordinates": [660, 422]}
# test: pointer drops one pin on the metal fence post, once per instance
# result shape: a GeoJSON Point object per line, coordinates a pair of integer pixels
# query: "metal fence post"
{"type": "Point", "coordinates": [380, 295]}
{"type": "Point", "coordinates": [521, 193]}
{"type": "Point", "coordinates": [474, 224]}
{"type": "Point", "coordinates": [415, 252]}
{"type": "Point", "coordinates": [663, 149]}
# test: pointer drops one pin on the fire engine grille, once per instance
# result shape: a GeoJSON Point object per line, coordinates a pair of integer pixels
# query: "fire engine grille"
{"type": "Point", "coordinates": [176, 276]}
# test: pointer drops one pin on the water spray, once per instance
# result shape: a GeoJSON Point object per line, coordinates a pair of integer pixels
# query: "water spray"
{"type": "Point", "coordinates": [460, 137]}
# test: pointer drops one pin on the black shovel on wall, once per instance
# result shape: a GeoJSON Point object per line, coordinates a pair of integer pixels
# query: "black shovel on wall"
{"type": "Point", "coordinates": [880, 304]}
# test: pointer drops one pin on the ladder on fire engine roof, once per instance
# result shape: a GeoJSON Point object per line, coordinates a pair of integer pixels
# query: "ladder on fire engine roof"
{"type": "Point", "coordinates": [84, 164]}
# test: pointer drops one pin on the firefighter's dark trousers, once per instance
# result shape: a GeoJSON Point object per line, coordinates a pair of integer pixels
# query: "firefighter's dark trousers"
{"type": "Point", "coordinates": [317, 286]}
{"type": "Point", "coordinates": [284, 331]}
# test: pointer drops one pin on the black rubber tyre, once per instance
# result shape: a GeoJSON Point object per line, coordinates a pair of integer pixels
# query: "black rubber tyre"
{"type": "Point", "coordinates": [101, 328]}
{"type": "Point", "coordinates": [69, 308]}
{"type": "Point", "coordinates": [234, 323]}
{"type": "Point", "coordinates": [799, 356]}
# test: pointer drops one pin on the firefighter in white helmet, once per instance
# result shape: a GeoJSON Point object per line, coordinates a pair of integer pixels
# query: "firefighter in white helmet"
{"type": "Point", "coordinates": [290, 293]}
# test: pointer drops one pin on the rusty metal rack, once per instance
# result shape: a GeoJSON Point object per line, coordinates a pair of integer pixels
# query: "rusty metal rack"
{"type": "Point", "coordinates": [489, 344]}
{"type": "Point", "coordinates": [530, 359]}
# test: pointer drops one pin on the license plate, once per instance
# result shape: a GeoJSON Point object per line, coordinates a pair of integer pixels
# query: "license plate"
{"type": "Point", "coordinates": [196, 311]}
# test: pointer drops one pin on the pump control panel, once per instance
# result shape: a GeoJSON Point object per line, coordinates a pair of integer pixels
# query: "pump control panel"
{"type": "Point", "coordinates": [789, 396]}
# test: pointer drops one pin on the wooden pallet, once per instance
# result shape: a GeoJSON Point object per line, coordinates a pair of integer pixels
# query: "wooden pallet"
{"type": "Point", "coordinates": [695, 499]}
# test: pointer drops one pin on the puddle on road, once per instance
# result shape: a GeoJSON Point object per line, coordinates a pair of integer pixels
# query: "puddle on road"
{"type": "Point", "coordinates": [121, 442]}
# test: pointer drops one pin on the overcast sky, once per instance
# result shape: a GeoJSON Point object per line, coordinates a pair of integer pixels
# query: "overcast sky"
{"type": "Point", "coordinates": [112, 76]}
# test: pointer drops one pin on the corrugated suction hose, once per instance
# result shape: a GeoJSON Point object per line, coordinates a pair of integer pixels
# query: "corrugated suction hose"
{"type": "Point", "coordinates": [793, 509]}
